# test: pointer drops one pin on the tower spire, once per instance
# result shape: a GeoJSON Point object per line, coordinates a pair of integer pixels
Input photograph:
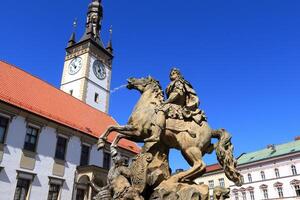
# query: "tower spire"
{"type": "Point", "coordinates": [109, 46]}
{"type": "Point", "coordinates": [93, 22]}
{"type": "Point", "coordinates": [72, 39]}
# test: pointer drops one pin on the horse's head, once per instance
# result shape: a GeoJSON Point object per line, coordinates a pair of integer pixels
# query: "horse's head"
{"type": "Point", "coordinates": [143, 84]}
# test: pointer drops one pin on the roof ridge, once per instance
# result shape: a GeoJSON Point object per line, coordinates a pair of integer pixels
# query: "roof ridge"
{"type": "Point", "coordinates": [49, 84]}
{"type": "Point", "coordinates": [276, 145]}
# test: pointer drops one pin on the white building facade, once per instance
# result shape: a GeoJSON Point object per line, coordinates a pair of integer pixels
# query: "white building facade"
{"type": "Point", "coordinates": [42, 156]}
{"type": "Point", "coordinates": [48, 136]}
{"type": "Point", "coordinates": [270, 173]}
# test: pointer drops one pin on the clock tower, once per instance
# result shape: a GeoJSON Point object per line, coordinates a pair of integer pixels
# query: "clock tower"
{"type": "Point", "coordinates": [88, 64]}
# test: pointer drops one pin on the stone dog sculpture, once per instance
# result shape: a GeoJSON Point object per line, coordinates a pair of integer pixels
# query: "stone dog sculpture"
{"type": "Point", "coordinates": [190, 134]}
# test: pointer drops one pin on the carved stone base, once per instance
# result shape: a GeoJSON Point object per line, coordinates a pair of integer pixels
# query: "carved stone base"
{"type": "Point", "coordinates": [180, 191]}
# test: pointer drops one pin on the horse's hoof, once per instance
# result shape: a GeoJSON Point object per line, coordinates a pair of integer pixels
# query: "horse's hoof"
{"type": "Point", "coordinates": [101, 143]}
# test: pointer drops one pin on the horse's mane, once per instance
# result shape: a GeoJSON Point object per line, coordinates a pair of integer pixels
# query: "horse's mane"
{"type": "Point", "coordinates": [157, 88]}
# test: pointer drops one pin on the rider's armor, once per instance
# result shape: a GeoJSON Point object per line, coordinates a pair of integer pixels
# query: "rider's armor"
{"type": "Point", "coordinates": [185, 105]}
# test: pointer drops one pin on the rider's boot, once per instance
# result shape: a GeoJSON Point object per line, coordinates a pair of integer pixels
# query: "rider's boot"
{"type": "Point", "coordinates": [157, 128]}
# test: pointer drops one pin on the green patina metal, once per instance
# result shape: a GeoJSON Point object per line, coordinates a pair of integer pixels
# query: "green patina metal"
{"type": "Point", "coordinates": [270, 152]}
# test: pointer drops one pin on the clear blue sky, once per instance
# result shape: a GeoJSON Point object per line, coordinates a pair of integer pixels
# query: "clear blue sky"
{"type": "Point", "coordinates": [242, 57]}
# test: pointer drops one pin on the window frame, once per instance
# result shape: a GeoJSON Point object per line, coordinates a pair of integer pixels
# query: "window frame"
{"type": "Point", "coordinates": [265, 193]}
{"type": "Point", "coordinates": [5, 128]}
{"type": "Point", "coordinates": [294, 170]}
{"type": "Point", "coordinates": [24, 176]}
{"type": "Point", "coordinates": [244, 196]}
{"type": "Point", "coordinates": [106, 164]}
{"type": "Point", "coordinates": [27, 189]}
{"type": "Point", "coordinates": [297, 190]}
{"type": "Point", "coordinates": [51, 193]}
{"type": "Point", "coordinates": [211, 184]}
{"type": "Point", "coordinates": [57, 182]}
{"type": "Point", "coordinates": [222, 182]}
{"type": "Point", "coordinates": [56, 156]}
{"type": "Point", "coordinates": [249, 178]}
{"type": "Point", "coordinates": [262, 175]}
{"type": "Point", "coordinates": [82, 161]}
{"type": "Point", "coordinates": [280, 192]}
{"type": "Point", "coordinates": [251, 193]}
{"type": "Point", "coordinates": [277, 173]}
{"type": "Point", "coordinates": [33, 127]}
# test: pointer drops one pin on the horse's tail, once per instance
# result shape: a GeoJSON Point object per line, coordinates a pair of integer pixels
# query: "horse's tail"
{"type": "Point", "coordinates": [224, 151]}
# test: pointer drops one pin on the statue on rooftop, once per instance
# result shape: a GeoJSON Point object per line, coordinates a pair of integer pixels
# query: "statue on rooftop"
{"type": "Point", "coordinates": [174, 123]}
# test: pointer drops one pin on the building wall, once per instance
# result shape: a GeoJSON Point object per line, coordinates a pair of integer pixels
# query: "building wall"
{"type": "Point", "coordinates": [283, 164]}
{"type": "Point", "coordinates": [215, 178]}
{"type": "Point", "coordinates": [44, 159]}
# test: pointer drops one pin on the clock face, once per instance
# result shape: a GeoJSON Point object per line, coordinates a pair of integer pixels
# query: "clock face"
{"type": "Point", "coordinates": [99, 70]}
{"type": "Point", "coordinates": [75, 65]}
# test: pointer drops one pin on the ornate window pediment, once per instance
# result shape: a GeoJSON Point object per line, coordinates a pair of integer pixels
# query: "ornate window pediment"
{"type": "Point", "coordinates": [263, 186]}
{"type": "Point", "coordinates": [295, 182]}
{"type": "Point", "coordinates": [235, 190]}
{"type": "Point", "coordinates": [250, 188]}
{"type": "Point", "coordinates": [278, 184]}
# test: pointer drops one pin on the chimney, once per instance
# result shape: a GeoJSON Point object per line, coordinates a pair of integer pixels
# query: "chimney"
{"type": "Point", "coordinates": [272, 147]}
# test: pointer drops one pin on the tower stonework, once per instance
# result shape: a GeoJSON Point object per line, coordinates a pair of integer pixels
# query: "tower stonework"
{"type": "Point", "coordinates": [88, 64]}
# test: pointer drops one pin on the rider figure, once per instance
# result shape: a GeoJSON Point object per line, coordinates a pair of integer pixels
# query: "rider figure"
{"type": "Point", "coordinates": [182, 103]}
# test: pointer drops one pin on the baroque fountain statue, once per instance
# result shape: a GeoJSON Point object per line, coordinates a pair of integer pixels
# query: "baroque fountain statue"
{"type": "Point", "coordinates": [161, 124]}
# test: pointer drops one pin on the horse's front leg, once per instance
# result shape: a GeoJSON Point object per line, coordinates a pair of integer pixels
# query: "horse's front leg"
{"type": "Point", "coordinates": [103, 138]}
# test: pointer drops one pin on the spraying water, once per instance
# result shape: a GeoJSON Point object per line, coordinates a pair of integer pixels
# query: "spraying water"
{"type": "Point", "coordinates": [118, 88]}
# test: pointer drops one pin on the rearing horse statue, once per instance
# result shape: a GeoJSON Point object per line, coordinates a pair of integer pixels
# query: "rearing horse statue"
{"type": "Point", "coordinates": [192, 146]}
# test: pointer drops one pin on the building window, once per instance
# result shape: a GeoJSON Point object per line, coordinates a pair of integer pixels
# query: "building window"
{"type": "Point", "coordinates": [106, 160]}
{"type": "Point", "coordinates": [3, 128]}
{"type": "Point", "coordinates": [53, 192]}
{"type": "Point", "coordinates": [71, 92]}
{"type": "Point", "coordinates": [252, 195]}
{"type": "Point", "coordinates": [236, 196]}
{"type": "Point", "coordinates": [96, 98]}
{"type": "Point", "coordinates": [297, 190]}
{"type": "Point", "coordinates": [61, 147]}
{"type": "Point", "coordinates": [31, 139]}
{"type": "Point", "coordinates": [280, 192]}
{"type": "Point", "coordinates": [277, 173]}
{"type": "Point", "coordinates": [221, 182]}
{"type": "Point", "coordinates": [249, 178]}
{"type": "Point", "coordinates": [263, 176]}
{"type": "Point", "coordinates": [294, 170]}
{"type": "Point", "coordinates": [211, 184]}
{"type": "Point", "coordinates": [22, 189]}
{"type": "Point", "coordinates": [244, 195]}
{"type": "Point", "coordinates": [242, 179]}
{"type": "Point", "coordinates": [80, 194]}
{"type": "Point", "coordinates": [85, 154]}
{"type": "Point", "coordinates": [265, 192]}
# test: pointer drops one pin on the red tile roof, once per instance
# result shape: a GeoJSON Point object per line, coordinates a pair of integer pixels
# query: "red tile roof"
{"type": "Point", "coordinates": [214, 167]}
{"type": "Point", "coordinates": [27, 92]}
